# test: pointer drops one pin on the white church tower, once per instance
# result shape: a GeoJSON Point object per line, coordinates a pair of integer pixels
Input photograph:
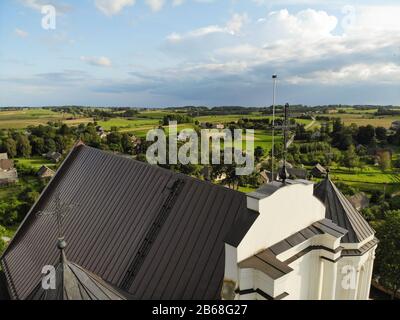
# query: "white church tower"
{"type": "Point", "coordinates": [307, 242]}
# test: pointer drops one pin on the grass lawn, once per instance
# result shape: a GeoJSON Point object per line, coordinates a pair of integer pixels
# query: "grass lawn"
{"type": "Point", "coordinates": [35, 162]}
{"type": "Point", "coordinates": [156, 114]}
{"type": "Point", "coordinates": [359, 111]}
{"type": "Point", "coordinates": [246, 189]}
{"type": "Point", "coordinates": [369, 174]}
{"type": "Point", "coordinates": [126, 124]}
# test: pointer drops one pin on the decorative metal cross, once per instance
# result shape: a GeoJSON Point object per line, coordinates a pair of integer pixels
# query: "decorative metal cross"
{"type": "Point", "coordinates": [60, 211]}
{"type": "Point", "coordinates": [283, 174]}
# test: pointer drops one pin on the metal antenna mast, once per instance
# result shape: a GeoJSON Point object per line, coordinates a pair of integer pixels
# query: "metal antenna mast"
{"type": "Point", "coordinates": [283, 173]}
{"type": "Point", "coordinates": [274, 80]}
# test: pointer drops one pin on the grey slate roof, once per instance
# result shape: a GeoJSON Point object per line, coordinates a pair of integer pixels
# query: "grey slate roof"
{"type": "Point", "coordinates": [342, 213]}
{"type": "Point", "coordinates": [317, 228]}
{"type": "Point", "coordinates": [75, 283]}
{"type": "Point", "coordinates": [148, 231]}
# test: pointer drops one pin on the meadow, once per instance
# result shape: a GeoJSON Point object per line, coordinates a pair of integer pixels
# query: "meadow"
{"type": "Point", "coordinates": [24, 118]}
{"type": "Point", "coordinates": [367, 178]}
{"type": "Point", "coordinates": [365, 118]}
{"type": "Point", "coordinates": [34, 162]}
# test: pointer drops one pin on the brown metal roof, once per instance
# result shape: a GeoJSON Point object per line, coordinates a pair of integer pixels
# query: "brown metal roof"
{"type": "Point", "coordinates": [4, 295]}
{"type": "Point", "coordinates": [359, 252]}
{"type": "Point", "coordinates": [342, 213]}
{"type": "Point", "coordinates": [267, 263]}
{"type": "Point", "coordinates": [154, 233]}
{"type": "Point", "coordinates": [317, 228]}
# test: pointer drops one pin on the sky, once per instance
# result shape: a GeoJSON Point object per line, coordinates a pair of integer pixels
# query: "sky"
{"type": "Point", "coordinates": [161, 53]}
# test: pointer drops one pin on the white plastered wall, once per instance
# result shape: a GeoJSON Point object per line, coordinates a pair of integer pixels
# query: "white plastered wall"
{"type": "Point", "coordinates": [285, 212]}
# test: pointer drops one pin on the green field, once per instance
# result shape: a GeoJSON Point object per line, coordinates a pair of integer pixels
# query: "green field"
{"type": "Point", "coordinates": [35, 162]}
{"type": "Point", "coordinates": [23, 118]}
{"type": "Point", "coordinates": [368, 179]}
{"type": "Point", "coordinates": [366, 118]}
{"type": "Point", "coordinates": [367, 175]}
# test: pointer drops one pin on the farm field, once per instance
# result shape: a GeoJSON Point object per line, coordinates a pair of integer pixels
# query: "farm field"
{"type": "Point", "coordinates": [21, 119]}
{"type": "Point", "coordinates": [366, 175]}
{"type": "Point", "coordinates": [363, 119]}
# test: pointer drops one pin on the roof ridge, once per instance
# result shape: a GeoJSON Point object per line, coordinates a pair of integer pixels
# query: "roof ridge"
{"type": "Point", "coordinates": [339, 207]}
{"type": "Point", "coordinates": [353, 211]}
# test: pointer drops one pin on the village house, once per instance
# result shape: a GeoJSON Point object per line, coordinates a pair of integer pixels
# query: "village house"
{"type": "Point", "coordinates": [219, 126]}
{"type": "Point", "coordinates": [318, 171]}
{"type": "Point", "coordinates": [45, 172]}
{"type": "Point", "coordinates": [101, 132]}
{"type": "Point", "coordinates": [294, 173]}
{"type": "Point", "coordinates": [395, 125]}
{"type": "Point", "coordinates": [135, 140]}
{"type": "Point", "coordinates": [142, 232]}
{"type": "Point", "coordinates": [53, 156]}
{"type": "Point", "coordinates": [8, 174]}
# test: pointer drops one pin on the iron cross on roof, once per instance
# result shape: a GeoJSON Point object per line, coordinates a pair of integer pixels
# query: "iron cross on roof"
{"type": "Point", "coordinates": [283, 174]}
{"type": "Point", "coordinates": [59, 212]}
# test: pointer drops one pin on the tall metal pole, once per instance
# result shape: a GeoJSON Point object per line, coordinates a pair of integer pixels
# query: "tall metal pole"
{"type": "Point", "coordinates": [274, 80]}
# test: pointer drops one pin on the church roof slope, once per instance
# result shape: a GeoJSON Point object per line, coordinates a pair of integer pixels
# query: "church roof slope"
{"type": "Point", "coordinates": [342, 213]}
{"type": "Point", "coordinates": [153, 233]}
{"type": "Point", "coordinates": [73, 282]}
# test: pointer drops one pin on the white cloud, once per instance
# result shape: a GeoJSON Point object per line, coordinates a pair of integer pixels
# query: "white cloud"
{"type": "Point", "coordinates": [155, 5]}
{"type": "Point", "coordinates": [21, 33]}
{"type": "Point", "coordinates": [38, 5]}
{"type": "Point", "coordinates": [355, 73]}
{"type": "Point", "coordinates": [176, 3]}
{"type": "Point", "coordinates": [112, 7]}
{"type": "Point", "coordinates": [97, 61]}
{"type": "Point", "coordinates": [363, 19]}
{"type": "Point", "coordinates": [232, 27]}
{"type": "Point", "coordinates": [33, 4]}
{"type": "Point", "coordinates": [308, 24]}
{"type": "Point", "coordinates": [311, 35]}
{"type": "Point", "coordinates": [308, 46]}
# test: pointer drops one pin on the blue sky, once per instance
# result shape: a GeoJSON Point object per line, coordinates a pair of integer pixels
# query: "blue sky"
{"type": "Point", "coordinates": [155, 53]}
